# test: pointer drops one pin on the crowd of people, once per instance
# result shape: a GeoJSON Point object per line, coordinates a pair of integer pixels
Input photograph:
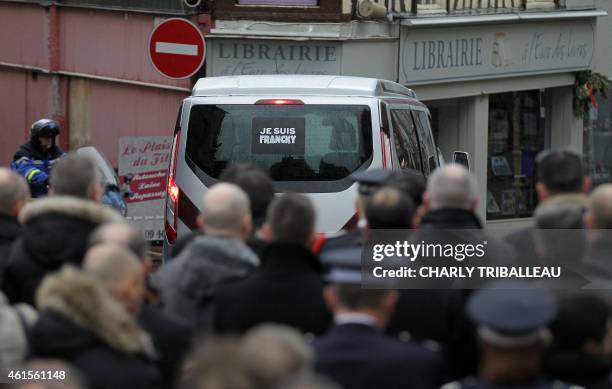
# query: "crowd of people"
{"type": "Point", "coordinates": [256, 299]}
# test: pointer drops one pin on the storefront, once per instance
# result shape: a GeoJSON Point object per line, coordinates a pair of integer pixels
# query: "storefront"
{"type": "Point", "coordinates": [503, 93]}
{"type": "Point", "coordinates": [597, 143]}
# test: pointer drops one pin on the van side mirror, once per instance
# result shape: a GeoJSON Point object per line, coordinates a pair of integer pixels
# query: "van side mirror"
{"type": "Point", "coordinates": [462, 158]}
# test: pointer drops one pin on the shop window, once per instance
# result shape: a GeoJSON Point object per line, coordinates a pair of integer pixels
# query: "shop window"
{"type": "Point", "coordinates": [405, 139]}
{"type": "Point", "coordinates": [598, 142]}
{"type": "Point", "coordinates": [516, 135]}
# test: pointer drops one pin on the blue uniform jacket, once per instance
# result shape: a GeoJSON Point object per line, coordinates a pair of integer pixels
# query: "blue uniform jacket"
{"type": "Point", "coordinates": [35, 165]}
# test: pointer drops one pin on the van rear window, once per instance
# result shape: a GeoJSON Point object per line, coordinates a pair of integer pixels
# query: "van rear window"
{"type": "Point", "coordinates": [289, 142]}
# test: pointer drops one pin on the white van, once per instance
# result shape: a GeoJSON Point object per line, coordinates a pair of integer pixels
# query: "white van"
{"type": "Point", "coordinates": [309, 133]}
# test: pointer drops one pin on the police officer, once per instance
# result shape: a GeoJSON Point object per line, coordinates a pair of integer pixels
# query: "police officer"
{"type": "Point", "coordinates": [34, 159]}
{"type": "Point", "coordinates": [511, 321]}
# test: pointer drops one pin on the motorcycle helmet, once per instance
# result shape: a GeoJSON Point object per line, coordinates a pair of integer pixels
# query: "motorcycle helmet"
{"type": "Point", "coordinates": [45, 128]}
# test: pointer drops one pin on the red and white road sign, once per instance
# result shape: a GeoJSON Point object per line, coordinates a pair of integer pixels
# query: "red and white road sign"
{"type": "Point", "coordinates": [177, 48]}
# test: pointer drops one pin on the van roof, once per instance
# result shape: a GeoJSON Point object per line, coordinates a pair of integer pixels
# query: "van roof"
{"type": "Point", "coordinates": [299, 85]}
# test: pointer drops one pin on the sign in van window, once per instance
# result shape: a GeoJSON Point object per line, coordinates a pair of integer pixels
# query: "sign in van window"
{"type": "Point", "coordinates": [280, 136]}
{"type": "Point", "coordinates": [303, 3]}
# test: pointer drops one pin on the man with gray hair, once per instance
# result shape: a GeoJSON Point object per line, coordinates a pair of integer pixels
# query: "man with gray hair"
{"type": "Point", "coordinates": [450, 199]}
{"type": "Point", "coordinates": [188, 284]}
{"type": "Point", "coordinates": [14, 193]}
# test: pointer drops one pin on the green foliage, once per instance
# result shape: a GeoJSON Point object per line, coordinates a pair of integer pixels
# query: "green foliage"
{"type": "Point", "coordinates": [584, 80]}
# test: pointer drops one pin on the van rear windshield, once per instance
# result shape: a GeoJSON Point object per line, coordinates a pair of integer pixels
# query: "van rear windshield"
{"type": "Point", "coordinates": [290, 142]}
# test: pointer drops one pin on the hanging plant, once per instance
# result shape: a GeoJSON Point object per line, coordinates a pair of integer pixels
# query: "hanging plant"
{"type": "Point", "coordinates": [586, 87]}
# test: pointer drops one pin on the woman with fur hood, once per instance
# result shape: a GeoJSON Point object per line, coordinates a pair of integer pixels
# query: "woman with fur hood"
{"type": "Point", "coordinates": [83, 323]}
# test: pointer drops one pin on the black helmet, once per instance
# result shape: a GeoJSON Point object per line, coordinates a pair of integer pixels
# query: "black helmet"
{"type": "Point", "coordinates": [44, 127]}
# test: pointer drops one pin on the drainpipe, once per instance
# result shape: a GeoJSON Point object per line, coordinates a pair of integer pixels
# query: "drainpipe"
{"type": "Point", "coordinates": [53, 50]}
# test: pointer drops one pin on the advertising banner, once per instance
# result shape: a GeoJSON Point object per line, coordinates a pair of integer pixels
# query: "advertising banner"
{"type": "Point", "coordinates": [143, 166]}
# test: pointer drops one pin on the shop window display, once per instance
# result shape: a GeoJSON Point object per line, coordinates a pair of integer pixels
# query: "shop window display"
{"type": "Point", "coordinates": [597, 142]}
{"type": "Point", "coordinates": [517, 127]}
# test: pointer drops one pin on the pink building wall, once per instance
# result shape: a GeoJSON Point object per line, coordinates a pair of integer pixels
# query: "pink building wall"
{"type": "Point", "coordinates": [130, 111]}
{"type": "Point", "coordinates": [22, 101]}
{"type": "Point", "coordinates": [49, 65]}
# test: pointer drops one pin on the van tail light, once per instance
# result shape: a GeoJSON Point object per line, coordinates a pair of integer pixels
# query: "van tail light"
{"type": "Point", "coordinates": [279, 102]}
{"type": "Point", "coordinates": [173, 194]}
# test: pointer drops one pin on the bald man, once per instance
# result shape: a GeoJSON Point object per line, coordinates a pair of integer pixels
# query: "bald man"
{"type": "Point", "coordinates": [88, 318]}
{"type": "Point", "coordinates": [14, 193]}
{"type": "Point", "coordinates": [188, 284]}
{"type": "Point", "coordinates": [120, 272]}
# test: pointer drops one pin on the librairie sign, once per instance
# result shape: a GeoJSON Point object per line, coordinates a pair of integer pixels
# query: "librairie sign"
{"type": "Point", "coordinates": [234, 57]}
{"type": "Point", "coordinates": [453, 54]}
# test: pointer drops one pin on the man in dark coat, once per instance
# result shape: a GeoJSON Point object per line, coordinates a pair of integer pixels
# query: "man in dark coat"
{"type": "Point", "coordinates": [288, 288]}
{"type": "Point", "coordinates": [561, 180]}
{"type": "Point", "coordinates": [83, 323]}
{"type": "Point", "coordinates": [34, 159]}
{"type": "Point", "coordinates": [580, 354]}
{"type": "Point", "coordinates": [189, 283]}
{"type": "Point", "coordinates": [171, 336]}
{"type": "Point", "coordinates": [14, 193]}
{"type": "Point", "coordinates": [436, 311]}
{"type": "Point", "coordinates": [355, 352]}
{"type": "Point", "coordinates": [57, 228]}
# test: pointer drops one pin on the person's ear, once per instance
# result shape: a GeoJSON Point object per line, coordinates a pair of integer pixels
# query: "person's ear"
{"type": "Point", "coordinates": [200, 222]}
{"type": "Point", "coordinates": [331, 298]}
{"type": "Point", "coordinates": [312, 236]}
{"type": "Point", "coordinates": [418, 215]}
{"type": "Point", "coordinates": [389, 301]}
{"type": "Point", "coordinates": [587, 185]}
{"type": "Point", "coordinates": [359, 207]}
{"type": "Point", "coordinates": [147, 265]}
{"type": "Point", "coordinates": [426, 202]}
{"type": "Point", "coordinates": [593, 348]}
{"type": "Point", "coordinates": [587, 219]}
{"type": "Point", "coordinates": [542, 191]}
{"type": "Point", "coordinates": [17, 207]}
{"type": "Point", "coordinates": [96, 192]}
{"type": "Point", "coordinates": [266, 232]}
{"type": "Point", "coordinates": [474, 204]}
{"type": "Point", "coordinates": [246, 225]}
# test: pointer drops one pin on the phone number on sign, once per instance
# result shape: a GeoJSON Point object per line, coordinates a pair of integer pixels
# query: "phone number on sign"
{"type": "Point", "coordinates": [33, 375]}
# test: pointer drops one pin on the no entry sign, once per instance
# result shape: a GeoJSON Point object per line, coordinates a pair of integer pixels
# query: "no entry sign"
{"type": "Point", "coordinates": [177, 48]}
